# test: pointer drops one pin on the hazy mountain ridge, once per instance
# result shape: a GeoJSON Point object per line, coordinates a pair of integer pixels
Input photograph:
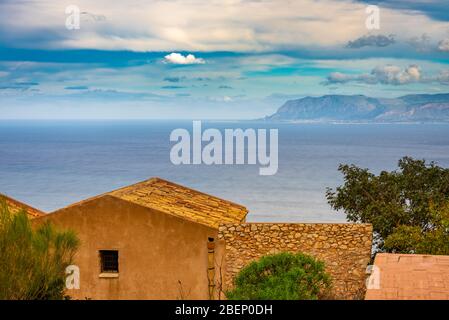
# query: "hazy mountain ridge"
{"type": "Point", "coordinates": [359, 108]}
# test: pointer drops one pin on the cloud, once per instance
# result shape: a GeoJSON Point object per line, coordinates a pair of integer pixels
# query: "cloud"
{"type": "Point", "coordinates": [436, 9]}
{"type": "Point", "coordinates": [394, 75]}
{"type": "Point", "coordinates": [203, 79]}
{"type": "Point", "coordinates": [388, 75]}
{"type": "Point", "coordinates": [174, 79]}
{"type": "Point", "coordinates": [20, 86]}
{"type": "Point", "coordinates": [204, 26]}
{"type": "Point", "coordinates": [444, 45]}
{"type": "Point", "coordinates": [442, 77]}
{"type": "Point", "coordinates": [91, 17]}
{"type": "Point", "coordinates": [77, 88]}
{"type": "Point", "coordinates": [371, 41]}
{"type": "Point", "coordinates": [222, 99]}
{"type": "Point", "coordinates": [173, 87]}
{"type": "Point", "coordinates": [113, 95]}
{"type": "Point", "coordinates": [178, 58]}
{"type": "Point", "coordinates": [12, 87]}
{"type": "Point", "coordinates": [422, 43]}
{"type": "Point", "coordinates": [26, 83]}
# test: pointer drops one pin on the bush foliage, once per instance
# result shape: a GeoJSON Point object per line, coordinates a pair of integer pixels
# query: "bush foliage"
{"type": "Point", "coordinates": [282, 276]}
{"type": "Point", "coordinates": [32, 261]}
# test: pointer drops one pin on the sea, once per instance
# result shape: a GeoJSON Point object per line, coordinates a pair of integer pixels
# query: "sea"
{"type": "Point", "coordinates": [51, 164]}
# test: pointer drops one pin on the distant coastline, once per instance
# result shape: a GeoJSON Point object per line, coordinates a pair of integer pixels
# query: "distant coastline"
{"type": "Point", "coordinates": [328, 121]}
{"type": "Point", "coordinates": [360, 109]}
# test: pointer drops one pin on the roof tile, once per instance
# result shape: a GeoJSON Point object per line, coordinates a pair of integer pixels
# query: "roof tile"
{"type": "Point", "coordinates": [183, 202]}
{"type": "Point", "coordinates": [411, 277]}
{"type": "Point", "coordinates": [15, 206]}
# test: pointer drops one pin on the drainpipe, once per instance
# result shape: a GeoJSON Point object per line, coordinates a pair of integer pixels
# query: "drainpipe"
{"type": "Point", "coordinates": [211, 267]}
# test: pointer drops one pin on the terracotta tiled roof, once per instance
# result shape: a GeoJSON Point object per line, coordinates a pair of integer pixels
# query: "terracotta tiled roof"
{"type": "Point", "coordinates": [183, 202]}
{"type": "Point", "coordinates": [15, 206]}
{"type": "Point", "coordinates": [410, 277]}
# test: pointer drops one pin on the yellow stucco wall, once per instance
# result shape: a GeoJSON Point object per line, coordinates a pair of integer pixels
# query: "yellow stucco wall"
{"type": "Point", "coordinates": [160, 255]}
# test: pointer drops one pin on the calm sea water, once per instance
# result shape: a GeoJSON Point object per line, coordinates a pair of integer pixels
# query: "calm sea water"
{"type": "Point", "coordinates": [51, 164]}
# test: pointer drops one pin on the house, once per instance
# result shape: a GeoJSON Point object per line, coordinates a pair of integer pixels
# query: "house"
{"type": "Point", "coordinates": [146, 241]}
{"type": "Point", "coordinates": [159, 240]}
{"type": "Point", "coordinates": [409, 277]}
{"type": "Point", "coordinates": [16, 206]}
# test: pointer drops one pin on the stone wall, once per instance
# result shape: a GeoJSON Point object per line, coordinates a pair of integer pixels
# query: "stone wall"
{"type": "Point", "coordinates": [345, 249]}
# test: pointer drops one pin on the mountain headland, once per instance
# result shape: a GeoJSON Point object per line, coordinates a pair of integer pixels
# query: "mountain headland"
{"type": "Point", "coordinates": [360, 108]}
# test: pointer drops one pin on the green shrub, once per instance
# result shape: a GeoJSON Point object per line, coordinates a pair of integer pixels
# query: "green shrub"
{"type": "Point", "coordinates": [282, 276]}
{"type": "Point", "coordinates": [32, 262]}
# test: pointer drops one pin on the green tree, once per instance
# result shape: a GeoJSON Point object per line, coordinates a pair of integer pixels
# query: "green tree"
{"type": "Point", "coordinates": [282, 276]}
{"type": "Point", "coordinates": [32, 261]}
{"type": "Point", "coordinates": [403, 206]}
{"type": "Point", "coordinates": [411, 239]}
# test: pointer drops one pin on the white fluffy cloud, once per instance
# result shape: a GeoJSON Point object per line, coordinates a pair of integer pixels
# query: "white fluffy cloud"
{"type": "Point", "coordinates": [177, 58]}
{"type": "Point", "coordinates": [444, 45]}
{"type": "Point", "coordinates": [395, 75]}
{"type": "Point", "coordinates": [389, 75]}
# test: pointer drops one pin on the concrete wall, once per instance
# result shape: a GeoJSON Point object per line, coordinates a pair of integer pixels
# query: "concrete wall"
{"type": "Point", "coordinates": [156, 251]}
{"type": "Point", "coordinates": [345, 249]}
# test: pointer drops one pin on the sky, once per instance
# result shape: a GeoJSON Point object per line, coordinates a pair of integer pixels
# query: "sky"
{"type": "Point", "coordinates": [209, 59]}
